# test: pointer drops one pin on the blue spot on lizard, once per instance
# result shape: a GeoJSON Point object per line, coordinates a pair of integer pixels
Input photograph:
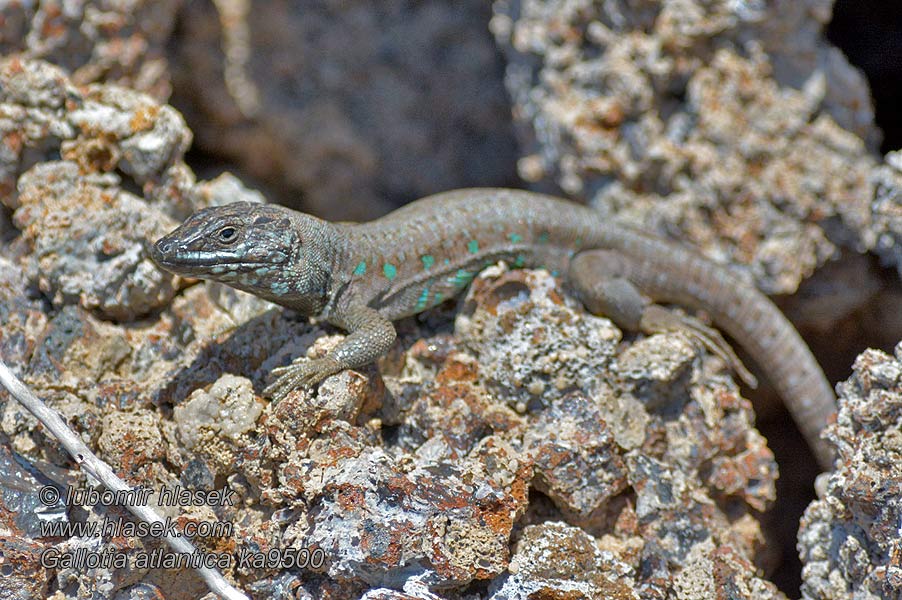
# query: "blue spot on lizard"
{"type": "Point", "coordinates": [423, 300]}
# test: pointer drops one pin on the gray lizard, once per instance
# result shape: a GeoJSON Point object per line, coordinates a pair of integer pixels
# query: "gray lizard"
{"type": "Point", "coordinates": [361, 277]}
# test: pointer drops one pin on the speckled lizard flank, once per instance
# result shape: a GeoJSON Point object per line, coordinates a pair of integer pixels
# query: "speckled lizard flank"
{"type": "Point", "coordinates": [361, 277]}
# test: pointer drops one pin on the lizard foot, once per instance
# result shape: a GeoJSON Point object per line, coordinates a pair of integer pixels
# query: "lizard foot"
{"type": "Point", "coordinates": [656, 319]}
{"type": "Point", "coordinates": [303, 372]}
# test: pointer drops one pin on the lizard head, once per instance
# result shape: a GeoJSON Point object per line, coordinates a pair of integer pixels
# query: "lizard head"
{"type": "Point", "coordinates": [267, 250]}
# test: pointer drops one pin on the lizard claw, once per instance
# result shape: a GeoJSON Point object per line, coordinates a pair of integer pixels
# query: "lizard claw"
{"type": "Point", "coordinates": [656, 319]}
{"type": "Point", "coordinates": [303, 372]}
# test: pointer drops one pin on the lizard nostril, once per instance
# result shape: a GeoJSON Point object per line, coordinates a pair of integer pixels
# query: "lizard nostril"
{"type": "Point", "coordinates": [161, 249]}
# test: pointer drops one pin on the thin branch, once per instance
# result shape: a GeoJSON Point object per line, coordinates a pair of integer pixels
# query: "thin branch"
{"type": "Point", "coordinates": [103, 473]}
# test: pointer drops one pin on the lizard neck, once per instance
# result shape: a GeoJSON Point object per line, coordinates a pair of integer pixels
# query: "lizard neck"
{"type": "Point", "coordinates": [305, 280]}
{"type": "Point", "coordinates": [308, 282]}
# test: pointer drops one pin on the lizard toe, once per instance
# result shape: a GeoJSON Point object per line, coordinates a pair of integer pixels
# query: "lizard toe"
{"type": "Point", "coordinates": [303, 373]}
{"type": "Point", "coordinates": [657, 318]}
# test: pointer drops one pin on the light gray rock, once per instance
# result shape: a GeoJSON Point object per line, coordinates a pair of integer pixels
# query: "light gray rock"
{"type": "Point", "coordinates": [111, 42]}
{"type": "Point", "coordinates": [733, 126]}
{"type": "Point", "coordinates": [849, 538]}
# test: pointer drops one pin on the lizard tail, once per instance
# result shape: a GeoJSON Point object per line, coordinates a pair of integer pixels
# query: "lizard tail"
{"type": "Point", "coordinates": [750, 318]}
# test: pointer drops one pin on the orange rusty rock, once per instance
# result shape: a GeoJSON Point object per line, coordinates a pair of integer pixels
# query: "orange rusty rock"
{"type": "Point", "coordinates": [457, 371]}
{"type": "Point", "coordinates": [144, 118]}
{"type": "Point", "coordinates": [15, 66]}
{"type": "Point", "coordinates": [15, 141]}
{"type": "Point", "coordinates": [349, 497]}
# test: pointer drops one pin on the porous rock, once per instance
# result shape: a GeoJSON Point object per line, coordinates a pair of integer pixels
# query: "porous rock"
{"type": "Point", "coordinates": [849, 537]}
{"type": "Point", "coordinates": [732, 126]}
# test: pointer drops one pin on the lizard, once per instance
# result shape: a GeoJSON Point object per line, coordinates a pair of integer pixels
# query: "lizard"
{"type": "Point", "coordinates": [361, 277]}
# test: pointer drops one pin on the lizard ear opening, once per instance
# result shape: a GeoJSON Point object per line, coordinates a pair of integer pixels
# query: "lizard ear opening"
{"type": "Point", "coordinates": [285, 225]}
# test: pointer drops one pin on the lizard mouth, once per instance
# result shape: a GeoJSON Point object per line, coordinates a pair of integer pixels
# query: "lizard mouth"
{"type": "Point", "coordinates": [168, 256]}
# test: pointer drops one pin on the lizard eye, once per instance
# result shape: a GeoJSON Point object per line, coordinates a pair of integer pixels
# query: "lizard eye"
{"type": "Point", "coordinates": [227, 235]}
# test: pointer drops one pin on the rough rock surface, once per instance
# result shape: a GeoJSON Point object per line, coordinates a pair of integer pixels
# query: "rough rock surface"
{"type": "Point", "coordinates": [509, 446]}
{"type": "Point", "coordinates": [358, 106]}
{"type": "Point", "coordinates": [419, 474]}
{"type": "Point", "coordinates": [44, 115]}
{"type": "Point", "coordinates": [85, 232]}
{"type": "Point", "coordinates": [440, 502]}
{"type": "Point", "coordinates": [887, 210]}
{"type": "Point", "coordinates": [849, 538]}
{"type": "Point", "coordinates": [100, 263]}
{"type": "Point", "coordinates": [21, 517]}
{"type": "Point", "coordinates": [731, 125]}
{"type": "Point", "coordinates": [122, 42]}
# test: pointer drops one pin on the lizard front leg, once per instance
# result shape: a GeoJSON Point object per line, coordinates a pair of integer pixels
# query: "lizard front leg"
{"type": "Point", "coordinates": [600, 280]}
{"type": "Point", "coordinates": [370, 335]}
